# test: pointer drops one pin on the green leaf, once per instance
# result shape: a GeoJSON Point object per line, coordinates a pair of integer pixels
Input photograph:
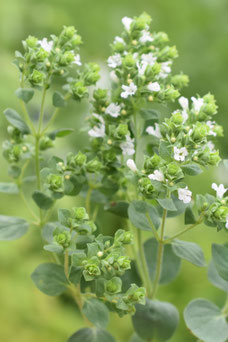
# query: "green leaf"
{"type": "Point", "coordinates": [15, 120]}
{"type": "Point", "coordinates": [189, 251]}
{"type": "Point", "coordinates": [58, 99]}
{"type": "Point", "coordinates": [60, 133]}
{"type": "Point", "coordinates": [47, 231]}
{"type": "Point", "coordinates": [14, 171]}
{"type": "Point", "coordinates": [206, 321]}
{"type": "Point", "coordinates": [165, 151]}
{"type": "Point", "coordinates": [180, 206]}
{"type": "Point", "coordinates": [118, 208]}
{"type": "Point", "coordinates": [189, 217]}
{"type": "Point", "coordinates": [137, 213]}
{"type": "Point", "coordinates": [192, 169]}
{"type": "Point", "coordinates": [149, 114]}
{"type": "Point", "coordinates": [136, 338]}
{"type": "Point", "coordinates": [42, 200]}
{"type": "Point", "coordinates": [72, 186]}
{"type": "Point", "coordinates": [167, 203]}
{"type": "Point", "coordinates": [156, 320]}
{"type": "Point", "coordinates": [12, 228]}
{"type": "Point", "coordinates": [91, 335]}
{"type": "Point", "coordinates": [9, 188]}
{"type": "Point", "coordinates": [54, 248]}
{"type": "Point", "coordinates": [215, 279]}
{"type": "Point", "coordinates": [96, 312]}
{"type": "Point", "coordinates": [170, 264]}
{"type": "Point", "coordinates": [220, 258]}
{"type": "Point", "coordinates": [25, 94]}
{"type": "Point", "coordinates": [50, 279]}
{"type": "Point", "coordinates": [75, 275]}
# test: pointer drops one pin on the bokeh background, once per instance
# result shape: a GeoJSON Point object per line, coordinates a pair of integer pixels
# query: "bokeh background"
{"type": "Point", "coordinates": [200, 31]}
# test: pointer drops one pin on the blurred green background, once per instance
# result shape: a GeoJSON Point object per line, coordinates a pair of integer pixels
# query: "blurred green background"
{"type": "Point", "coordinates": [199, 30]}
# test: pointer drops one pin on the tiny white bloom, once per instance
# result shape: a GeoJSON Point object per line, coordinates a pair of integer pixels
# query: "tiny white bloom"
{"type": "Point", "coordinates": [127, 146]}
{"type": "Point", "coordinates": [141, 68]}
{"type": "Point", "coordinates": [45, 44]}
{"type": "Point", "coordinates": [145, 37]}
{"type": "Point", "coordinates": [98, 131]}
{"type": "Point", "coordinates": [114, 77]}
{"type": "Point", "coordinates": [154, 131]}
{"type": "Point", "coordinates": [131, 165]}
{"type": "Point", "coordinates": [113, 109]}
{"type": "Point", "coordinates": [211, 146]}
{"type": "Point", "coordinates": [185, 195]}
{"type": "Point", "coordinates": [197, 103]}
{"type": "Point", "coordinates": [114, 61]}
{"type": "Point", "coordinates": [98, 117]}
{"type": "Point", "coordinates": [77, 60]}
{"type": "Point", "coordinates": [220, 190]}
{"type": "Point", "coordinates": [119, 40]}
{"type": "Point", "coordinates": [180, 153]}
{"type": "Point", "coordinates": [165, 69]}
{"type": "Point", "coordinates": [157, 175]}
{"type": "Point", "coordinates": [127, 23]}
{"type": "Point", "coordinates": [128, 90]}
{"type": "Point", "coordinates": [149, 58]}
{"type": "Point", "coordinates": [227, 222]}
{"type": "Point", "coordinates": [183, 101]}
{"type": "Point", "coordinates": [211, 125]}
{"type": "Point", "coordinates": [154, 86]}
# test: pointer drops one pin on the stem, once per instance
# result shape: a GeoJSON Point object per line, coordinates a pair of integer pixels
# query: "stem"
{"type": "Point", "coordinates": [152, 227]}
{"type": "Point", "coordinates": [87, 202]}
{"type": "Point", "coordinates": [24, 109]}
{"type": "Point", "coordinates": [66, 264]}
{"type": "Point", "coordinates": [183, 231]}
{"type": "Point", "coordinates": [159, 255]}
{"type": "Point", "coordinates": [42, 109]}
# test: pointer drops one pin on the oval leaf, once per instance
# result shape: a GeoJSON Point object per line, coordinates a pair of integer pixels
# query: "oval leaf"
{"type": "Point", "coordinates": [167, 203]}
{"type": "Point", "coordinates": [25, 94]}
{"type": "Point", "coordinates": [50, 279]}
{"type": "Point", "coordinates": [136, 338]}
{"type": "Point", "coordinates": [118, 208]}
{"type": "Point", "coordinates": [189, 251]}
{"type": "Point", "coordinates": [12, 228]}
{"type": "Point", "coordinates": [192, 169]}
{"type": "Point", "coordinates": [137, 213]}
{"type": "Point", "coordinates": [206, 321]}
{"type": "Point", "coordinates": [156, 320]}
{"type": "Point", "coordinates": [215, 278]}
{"type": "Point", "coordinates": [220, 258]}
{"type": "Point", "coordinates": [42, 200]}
{"type": "Point", "coordinates": [60, 133]}
{"type": "Point", "coordinates": [15, 120]}
{"type": "Point", "coordinates": [96, 312]}
{"type": "Point", "coordinates": [58, 99]}
{"type": "Point", "coordinates": [91, 335]}
{"type": "Point", "coordinates": [9, 188]}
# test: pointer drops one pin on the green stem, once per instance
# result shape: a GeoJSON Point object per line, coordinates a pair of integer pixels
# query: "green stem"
{"type": "Point", "coordinates": [42, 110]}
{"type": "Point", "coordinates": [152, 227]}
{"type": "Point", "coordinates": [66, 264]}
{"type": "Point", "coordinates": [88, 199]}
{"type": "Point", "coordinates": [159, 256]}
{"type": "Point", "coordinates": [24, 109]}
{"type": "Point", "coordinates": [182, 232]}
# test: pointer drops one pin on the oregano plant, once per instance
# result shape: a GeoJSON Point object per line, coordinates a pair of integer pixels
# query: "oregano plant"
{"type": "Point", "coordinates": [136, 166]}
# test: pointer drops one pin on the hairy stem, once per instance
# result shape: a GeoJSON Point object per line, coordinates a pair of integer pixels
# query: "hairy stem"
{"type": "Point", "coordinates": [152, 227]}
{"type": "Point", "coordinates": [88, 200]}
{"type": "Point", "coordinates": [66, 264]}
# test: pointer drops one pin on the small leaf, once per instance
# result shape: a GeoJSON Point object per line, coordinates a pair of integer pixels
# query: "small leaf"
{"type": "Point", "coordinates": [206, 321]}
{"type": "Point", "coordinates": [192, 169]}
{"type": "Point", "coordinates": [12, 228]}
{"type": "Point", "coordinates": [138, 211]}
{"type": "Point", "coordinates": [149, 114]}
{"type": "Point", "coordinates": [25, 94]}
{"type": "Point", "coordinates": [47, 231]}
{"type": "Point", "coordinates": [60, 133]}
{"type": "Point", "coordinates": [96, 312]}
{"type": "Point", "coordinates": [50, 279]}
{"type": "Point", "coordinates": [189, 217]}
{"type": "Point", "coordinates": [165, 151]}
{"type": "Point", "coordinates": [53, 248]}
{"type": "Point", "coordinates": [58, 99]}
{"type": "Point", "coordinates": [42, 200]}
{"type": "Point", "coordinates": [91, 335]}
{"type": "Point", "coordinates": [167, 203]}
{"type": "Point", "coordinates": [170, 264]}
{"type": "Point", "coordinates": [15, 120]}
{"type": "Point", "coordinates": [72, 186]}
{"type": "Point", "coordinates": [156, 320]}
{"type": "Point", "coordinates": [220, 258]}
{"type": "Point", "coordinates": [118, 208]}
{"type": "Point", "coordinates": [189, 251]}
{"type": "Point", "coordinates": [215, 278]}
{"type": "Point", "coordinates": [180, 206]}
{"type": "Point", "coordinates": [9, 188]}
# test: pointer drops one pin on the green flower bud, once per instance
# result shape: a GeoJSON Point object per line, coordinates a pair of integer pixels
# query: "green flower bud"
{"type": "Point", "coordinates": [55, 182]}
{"type": "Point", "coordinates": [45, 143]}
{"type": "Point", "coordinates": [93, 165]}
{"type": "Point", "coordinates": [177, 118]}
{"type": "Point", "coordinates": [66, 58]}
{"type": "Point", "coordinates": [41, 55]}
{"type": "Point", "coordinates": [63, 239]}
{"type": "Point", "coordinates": [68, 32]}
{"type": "Point", "coordinates": [92, 226]}
{"type": "Point", "coordinates": [80, 159]}
{"type": "Point", "coordinates": [118, 46]}
{"type": "Point", "coordinates": [173, 169]}
{"type": "Point", "coordinates": [109, 156]}
{"type": "Point", "coordinates": [80, 214]}
{"type": "Point", "coordinates": [36, 78]}
{"type": "Point", "coordinates": [214, 158]}
{"type": "Point", "coordinates": [128, 61]}
{"type": "Point", "coordinates": [121, 131]}
{"type": "Point", "coordinates": [124, 262]}
{"type": "Point", "coordinates": [218, 129]}
{"type": "Point", "coordinates": [123, 237]}
{"type": "Point", "coordinates": [221, 213]}
{"type": "Point", "coordinates": [209, 107]}
{"type": "Point", "coordinates": [171, 94]}
{"type": "Point", "coordinates": [79, 90]}
{"type": "Point", "coordinates": [100, 95]}
{"type": "Point", "coordinates": [146, 187]}
{"type": "Point", "coordinates": [161, 38]}
{"type": "Point", "coordinates": [76, 40]}
{"type": "Point", "coordinates": [91, 75]}
{"type": "Point", "coordinates": [152, 163]}
{"type": "Point", "coordinates": [168, 52]}
{"type": "Point", "coordinates": [200, 131]}
{"type": "Point", "coordinates": [135, 295]}
{"type": "Point", "coordinates": [31, 41]}
{"type": "Point", "coordinates": [180, 81]}
{"type": "Point", "coordinates": [91, 269]}
{"type": "Point", "coordinates": [142, 22]}
{"type": "Point", "coordinates": [15, 134]}
{"type": "Point", "coordinates": [113, 285]}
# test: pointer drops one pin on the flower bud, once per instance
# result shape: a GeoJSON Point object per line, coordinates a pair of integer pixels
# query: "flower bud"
{"type": "Point", "coordinates": [36, 78]}
{"type": "Point", "coordinates": [152, 163]}
{"type": "Point", "coordinates": [218, 129]}
{"type": "Point", "coordinates": [41, 55]}
{"type": "Point", "coordinates": [68, 32]}
{"type": "Point", "coordinates": [76, 160]}
{"type": "Point", "coordinates": [31, 41]}
{"type": "Point", "coordinates": [173, 169]}
{"type": "Point", "coordinates": [221, 213]}
{"type": "Point", "coordinates": [55, 182]}
{"type": "Point", "coordinates": [76, 40]}
{"type": "Point", "coordinates": [80, 214]}
{"type": "Point", "coordinates": [160, 38]}
{"type": "Point", "coordinates": [45, 143]}
{"type": "Point", "coordinates": [177, 118]}
{"type": "Point", "coordinates": [91, 74]}
{"type": "Point", "coordinates": [214, 158]}
{"type": "Point", "coordinates": [146, 187]}
{"type": "Point", "coordinates": [63, 239]}
{"type": "Point", "coordinates": [180, 81]}
{"type": "Point", "coordinates": [171, 94]}
{"type": "Point", "coordinates": [142, 22]}
{"type": "Point", "coordinates": [121, 131]}
{"type": "Point", "coordinates": [100, 95]}
{"type": "Point", "coordinates": [128, 62]}
{"type": "Point", "coordinates": [79, 90]}
{"type": "Point", "coordinates": [93, 165]}
{"type": "Point", "coordinates": [200, 131]}
{"type": "Point", "coordinates": [66, 58]}
{"type": "Point", "coordinates": [113, 285]}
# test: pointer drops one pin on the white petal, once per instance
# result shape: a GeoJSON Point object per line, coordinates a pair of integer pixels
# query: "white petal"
{"type": "Point", "coordinates": [131, 165]}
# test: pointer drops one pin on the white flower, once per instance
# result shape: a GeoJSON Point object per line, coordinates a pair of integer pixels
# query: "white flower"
{"type": "Point", "coordinates": [98, 131]}
{"type": "Point", "coordinates": [77, 60]}
{"type": "Point", "coordinates": [220, 190]}
{"type": "Point", "coordinates": [114, 61]}
{"type": "Point", "coordinates": [197, 103]}
{"type": "Point", "coordinates": [154, 131]}
{"type": "Point", "coordinates": [127, 146]}
{"type": "Point", "coordinates": [141, 68]}
{"type": "Point", "coordinates": [165, 69]}
{"type": "Point", "coordinates": [149, 58]}
{"type": "Point", "coordinates": [211, 146]}
{"type": "Point", "coordinates": [113, 109]}
{"type": "Point", "coordinates": [128, 90]}
{"type": "Point", "coordinates": [226, 222]}
{"type": "Point", "coordinates": [154, 86]}
{"type": "Point", "coordinates": [157, 175]}
{"type": "Point", "coordinates": [180, 153]}
{"type": "Point", "coordinates": [185, 195]}
{"type": "Point", "coordinates": [211, 125]}
{"type": "Point", "coordinates": [119, 40]}
{"type": "Point", "coordinates": [114, 77]}
{"type": "Point", "coordinates": [131, 165]}
{"type": "Point", "coordinates": [183, 101]}
{"type": "Point", "coordinates": [127, 23]}
{"type": "Point", "coordinates": [98, 117]}
{"type": "Point", "coordinates": [145, 37]}
{"type": "Point", "coordinates": [45, 44]}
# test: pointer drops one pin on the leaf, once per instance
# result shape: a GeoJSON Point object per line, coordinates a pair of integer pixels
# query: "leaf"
{"type": "Point", "coordinates": [149, 114]}
{"type": "Point", "coordinates": [215, 278]}
{"type": "Point", "coordinates": [42, 200]}
{"type": "Point", "coordinates": [25, 94]}
{"type": "Point", "coordinates": [180, 207]}
{"type": "Point", "coordinates": [96, 312]}
{"type": "Point", "coordinates": [220, 258]}
{"type": "Point", "coordinates": [118, 208]}
{"type": "Point", "coordinates": [50, 279]}
{"type": "Point", "coordinates": [72, 186]}
{"type": "Point", "coordinates": [189, 217]}
{"type": "Point", "coordinates": [60, 133]}
{"type": "Point", "coordinates": [58, 99]}
{"type": "Point", "coordinates": [75, 275]}
{"type": "Point", "coordinates": [189, 251]}
{"type": "Point", "coordinates": [192, 169]}
{"type": "Point", "coordinates": [137, 212]}
{"type": "Point", "coordinates": [12, 228]}
{"type": "Point", "coordinates": [167, 203]}
{"type": "Point", "coordinates": [91, 335]}
{"type": "Point", "coordinates": [136, 338]}
{"type": "Point", "coordinates": [156, 320]}
{"type": "Point", "coordinates": [9, 188]}
{"type": "Point", "coordinates": [53, 248]}
{"type": "Point", "coordinates": [170, 263]}
{"type": "Point", "coordinates": [15, 120]}
{"type": "Point", "coordinates": [165, 151]}
{"type": "Point", "coordinates": [206, 321]}
{"type": "Point", "coordinates": [47, 231]}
